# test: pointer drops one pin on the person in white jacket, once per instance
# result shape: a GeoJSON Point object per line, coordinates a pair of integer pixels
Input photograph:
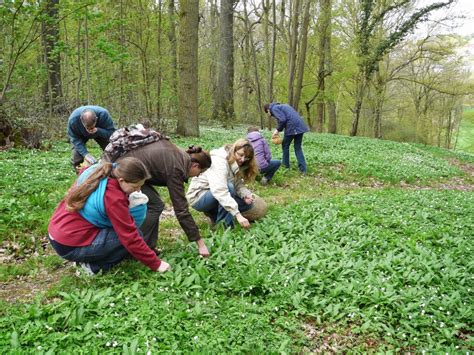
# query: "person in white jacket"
{"type": "Point", "coordinates": [220, 192]}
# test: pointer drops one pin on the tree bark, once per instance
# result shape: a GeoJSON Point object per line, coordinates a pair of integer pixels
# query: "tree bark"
{"type": "Point", "coordinates": [302, 55]}
{"type": "Point", "coordinates": [50, 35]}
{"type": "Point", "coordinates": [292, 53]}
{"type": "Point", "coordinates": [173, 50]}
{"type": "Point", "coordinates": [224, 106]}
{"type": "Point", "coordinates": [254, 57]}
{"type": "Point", "coordinates": [188, 119]}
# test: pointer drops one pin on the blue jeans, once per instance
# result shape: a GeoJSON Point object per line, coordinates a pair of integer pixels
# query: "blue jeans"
{"type": "Point", "coordinates": [211, 207]}
{"type": "Point", "coordinates": [103, 253]}
{"type": "Point", "coordinates": [271, 169]}
{"type": "Point", "coordinates": [298, 138]}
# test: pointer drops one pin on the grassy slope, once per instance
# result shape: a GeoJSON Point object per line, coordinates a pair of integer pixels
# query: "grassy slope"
{"type": "Point", "coordinates": [466, 132]}
{"type": "Point", "coordinates": [345, 259]}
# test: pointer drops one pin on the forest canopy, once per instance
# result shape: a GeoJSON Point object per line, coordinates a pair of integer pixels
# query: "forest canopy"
{"type": "Point", "coordinates": [349, 67]}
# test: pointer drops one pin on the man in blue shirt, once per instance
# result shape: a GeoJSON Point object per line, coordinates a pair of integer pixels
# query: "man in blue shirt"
{"type": "Point", "coordinates": [88, 122]}
{"type": "Point", "coordinates": [289, 120]}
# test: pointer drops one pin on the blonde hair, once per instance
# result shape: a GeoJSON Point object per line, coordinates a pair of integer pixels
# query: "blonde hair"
{"type": "Point", "coordinates": [130, 169]}
{"type": "Point", "coordinates": [249, 169]}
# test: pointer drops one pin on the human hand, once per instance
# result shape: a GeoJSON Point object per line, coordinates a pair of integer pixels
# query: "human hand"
{"type": "Point", "coordinates": [244, 222]}
{"type": "Point", "coordinates": [275, 133]}
{"type": "Point", "coordinates": [248, 199]}
{"type": "Point", "coordinates": [203, 251]}
{"type": "Point", "coordinates": [90, 159]}
{"type": "Point", "coordinates": [164, 266]}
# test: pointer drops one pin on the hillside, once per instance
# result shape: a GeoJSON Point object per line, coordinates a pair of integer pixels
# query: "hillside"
{"type": "Point", "coordinates": [370, 251]}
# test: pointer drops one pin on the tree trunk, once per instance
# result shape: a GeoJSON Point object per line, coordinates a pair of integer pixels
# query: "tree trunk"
{"type": "Point", "coordinates": [50, 36]}
{"type": "Point", "coordinates": [224, 106]}
{"type": "Point", "coordinates": [159, 69]}
{"type": "Point", "coordinates": [302, 55]}
{"type": "Point", "coordinates": [359, 97]}
{"type": "Point", "coordinates": [86, 56]}
{"type": "Point", "coordinates": [254, 57]}
{"type": "Point", "coordinates": [79, 68]}
{"type": "Point", "coordinates": [173, 81]}
{"type": "Point", "coordinates": [188, 119]}
{"type": "Point", "coordinates": [272, 65]}
{"type": "Point", "coordinates": [293, 37]}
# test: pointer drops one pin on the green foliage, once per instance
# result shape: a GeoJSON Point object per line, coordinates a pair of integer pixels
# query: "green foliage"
{"type": "Point", "coordinates": [466, 132]}
{"type": "Point", "coordinates": [389, 265]}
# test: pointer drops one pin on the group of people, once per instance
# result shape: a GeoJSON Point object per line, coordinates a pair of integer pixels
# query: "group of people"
{"type": "Point", "coordinates": [112, 210]}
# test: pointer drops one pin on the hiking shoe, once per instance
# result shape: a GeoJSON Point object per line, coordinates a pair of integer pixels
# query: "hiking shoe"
{"type": "Point", "coordinates": [87, 269]}
{"type": "Point", "coordinates": [264, 181]}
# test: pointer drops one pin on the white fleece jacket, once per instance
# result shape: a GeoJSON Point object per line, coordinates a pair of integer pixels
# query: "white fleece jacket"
{"type": "Point", "coordinates": [215, 179]}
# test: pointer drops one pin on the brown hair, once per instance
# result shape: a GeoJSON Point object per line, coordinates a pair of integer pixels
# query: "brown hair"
{"type": "Point", "coordinates": [200, 156]}
{"type": "Point", "coordinates": [130, 169]}
{"type": "Point", "coordinates": [266, 107]}
{"type": "Point", "coordinates": [249, 169]}
{"type": "Point", "coordinates": [253, 129]}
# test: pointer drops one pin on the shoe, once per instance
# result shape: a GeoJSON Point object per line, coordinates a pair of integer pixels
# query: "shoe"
{"type": "Point", "coordinates": [87, 269]}
{"type": "Point", "coordinates": [264, 181]}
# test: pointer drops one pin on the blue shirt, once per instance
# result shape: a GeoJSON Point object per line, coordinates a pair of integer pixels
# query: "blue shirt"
{"type": "Point", "coordinates": [78, 133]}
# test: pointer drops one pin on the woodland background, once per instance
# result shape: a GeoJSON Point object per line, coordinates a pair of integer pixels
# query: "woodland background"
{"type": "Point", "coordinates": [352, 67]}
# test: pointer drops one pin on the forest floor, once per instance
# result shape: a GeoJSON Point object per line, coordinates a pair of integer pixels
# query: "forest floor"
{"type": "Point", "coordinates": [403, 208]}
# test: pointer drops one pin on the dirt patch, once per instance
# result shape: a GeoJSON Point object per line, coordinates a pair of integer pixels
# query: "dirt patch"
{"type": "Point", "coordinates": [466, 167]}
{"type": "Point", "coordinates": [328, 340]}
{"type": "Point", "coordinates": [24, 289]}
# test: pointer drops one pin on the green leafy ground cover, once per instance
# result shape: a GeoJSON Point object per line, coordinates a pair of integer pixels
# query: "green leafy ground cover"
{"type": "Point", "coordinates": [466, 132]}
{"type": "Point", "coordinates": [368, 252]}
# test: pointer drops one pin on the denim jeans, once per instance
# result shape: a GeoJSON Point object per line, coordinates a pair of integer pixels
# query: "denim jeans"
{"type": "Point", "coordinates": [211, 207]}
{"type": "Point", "coordinates": [104, 252]}
{"type": "Point", "coordinates": [298, 138]}
{"type": "Point", "coordinates": [271, 169]}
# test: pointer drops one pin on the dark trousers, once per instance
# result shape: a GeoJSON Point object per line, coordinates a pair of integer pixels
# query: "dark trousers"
{"type": "Point", "coordinates": [150, 226]}
{"type": "Point", "coordinates": [103, 253]}
{"type": "Point", "coordinates": [77, 159]}
{"type": "Point", "coordinates": [271, 169]}
{"type": "Point", "coordinates": [211, 207]}
{"type": "Point", "coordinates": [298, 145]}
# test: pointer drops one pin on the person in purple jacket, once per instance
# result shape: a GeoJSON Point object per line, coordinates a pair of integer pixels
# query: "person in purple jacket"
{"type": "Point", "coordinates": [289, 120]}
{"type": "Point", "coordinates": [266, 164]}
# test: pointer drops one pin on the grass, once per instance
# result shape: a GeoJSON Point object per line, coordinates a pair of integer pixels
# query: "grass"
{"type": "Point", "coordinates": [337, 265]}
{"type": "Point", "coordinates": [466, 132]}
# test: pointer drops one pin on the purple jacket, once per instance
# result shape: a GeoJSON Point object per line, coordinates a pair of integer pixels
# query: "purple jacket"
{"type": "Point", "coordinates": [288, 119]}
{"type": "Point", "coordinates": [261, 149]}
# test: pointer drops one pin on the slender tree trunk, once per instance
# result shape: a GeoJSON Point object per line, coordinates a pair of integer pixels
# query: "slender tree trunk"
{"type": "Point", "coordinates": [188, 119]}
{"type": "Point", "coordinates": [361, 87]}
{"type": "Point", "coordinates": [254, 57]}
{"type": "Point", "coordinates": [79, 68]}
{"type": "Point", "coordinates": [50, 36]}
{"type": "Point", "coordinates": [272, 65]}
{"type": "Point", "coordinates": [302, 54]}
{"type": "Point", "coordinates": [86, 54]}
{"type": "Point", "coordinates": [174, 60]}
{"type": "Point", "coordinates": [380, 86]}
{"type": "Point", "coordinates": [293, 37]}
{"type": "Point", "coordinates": [159, 69]}
{"type": "Point", "coordinates": [122, 49]}
{"type": "Point", "coordinates": [323, 72]}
